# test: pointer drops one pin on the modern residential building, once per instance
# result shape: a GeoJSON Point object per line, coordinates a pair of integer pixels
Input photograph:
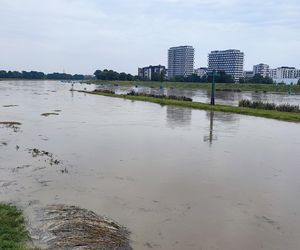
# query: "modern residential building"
{"type": "Point", "coordinates": [261, 69]}
{"type": "Point", "coordinates": [146, 73]}
{"type": "Point", "coordinates": [285, 74]}
{"type": "Point", "coordinates": [248, 74]}
{"type": "Point", "coordinates": [201, 71]}
{"type": "Point", "coordinates": [231, 61]}
{"type": "Point", "coordinates": [181, 61]}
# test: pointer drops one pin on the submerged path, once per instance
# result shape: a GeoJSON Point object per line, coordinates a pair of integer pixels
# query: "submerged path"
{"type": "Point", "coordinates": [272, 114]}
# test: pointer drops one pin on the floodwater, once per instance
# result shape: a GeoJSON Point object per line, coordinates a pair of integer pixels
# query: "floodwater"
{"type": "Point", "coordinates": [201, 95]}
{"type": "Point", "coordinates": [176, 178]}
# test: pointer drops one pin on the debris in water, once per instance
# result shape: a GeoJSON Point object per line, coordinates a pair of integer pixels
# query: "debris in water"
{"type": "Point", "coordinates": [9, 106]}
{"type": "Point", "coordinates": [36, 152]}
{"type": "Point", "coordinates": [48, 114]}
{"type": "Point", "coordinates": [70, 227]}
{"type": "Point", "coordinates": [14, 125]}
{"type": "Point", "coordinates": [65, 171]}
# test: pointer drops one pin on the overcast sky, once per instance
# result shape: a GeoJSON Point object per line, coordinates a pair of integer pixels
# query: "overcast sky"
{"type": "Point", "coordinates": [80, 36]}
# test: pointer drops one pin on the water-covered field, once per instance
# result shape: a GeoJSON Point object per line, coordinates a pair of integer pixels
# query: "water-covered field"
{"type": "Point", "coordinates": [176, 178]}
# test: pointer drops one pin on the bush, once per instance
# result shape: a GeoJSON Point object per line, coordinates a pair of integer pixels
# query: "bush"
{"type": "Point", "coordinates": [105, 91]}
{"type": "Point", "coordinates": [269, 106]}
{"type": "Point", "coordinates": [171, 97]}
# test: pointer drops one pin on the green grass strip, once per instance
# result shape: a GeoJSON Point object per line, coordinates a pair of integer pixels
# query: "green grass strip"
{"type": "Point", "coordinates": [273, 88]}
{"type": "Point", "coordinates": [13, 233]}
{"type": "Point", "coordinates": [284, 116]}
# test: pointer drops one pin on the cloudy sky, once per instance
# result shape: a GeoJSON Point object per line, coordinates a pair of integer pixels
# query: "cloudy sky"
{"type": "Point", "coordinates": [80, 36]}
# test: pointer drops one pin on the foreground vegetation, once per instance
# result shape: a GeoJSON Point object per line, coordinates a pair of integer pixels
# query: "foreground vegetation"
{"type": "Point", "coordinates": [207, 86]}
{"type": "Point", "coordinates": [273, 114]}
{"type": "Point", "coordinates": [13, 234]}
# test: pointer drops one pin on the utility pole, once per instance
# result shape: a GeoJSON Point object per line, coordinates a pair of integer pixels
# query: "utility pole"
{"type": "Point", "coordinates": [213, 86]}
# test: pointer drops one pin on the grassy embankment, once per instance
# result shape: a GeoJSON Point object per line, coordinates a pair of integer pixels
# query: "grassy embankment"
{"type": "Point", "coordinates": [13, 233]}
{"type": "Point", "coordinates": [285, 116]}
{"type": "Point", "coordinates": [207, 86]}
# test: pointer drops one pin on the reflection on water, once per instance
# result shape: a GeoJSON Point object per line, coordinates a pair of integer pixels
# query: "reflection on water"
{"type": "Point", "coordinates": [222, 124]}
{"type": "Point", "coordinates": [147, 167]}
{"type": "Point", "coordinates": [178, 117]}
{"type": "Point", "coordinates": [211, 137]}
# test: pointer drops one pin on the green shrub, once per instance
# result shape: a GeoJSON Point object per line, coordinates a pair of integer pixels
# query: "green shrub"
{"type": "Point", "coordinates": [170, 97]}
{"type": "Point", "coordinates": [13, 234]}
{"type": "Point", "coordinates": [269, 106]}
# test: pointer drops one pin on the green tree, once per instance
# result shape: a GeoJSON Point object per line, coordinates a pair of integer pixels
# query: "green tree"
{"type": "Point", "coordinates": [155, 77]}
{"type": "Point", "coordinates": [222, 78]}
{"type": "Point", "coordinates": [111, 75]}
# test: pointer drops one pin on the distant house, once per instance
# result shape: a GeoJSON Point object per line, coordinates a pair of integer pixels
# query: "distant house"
{"type": "Point", "coordinates": [201, 71]}
{"type": "Point", "coordinates": [261, 69]}
{"type": "Point", "coordinates": [285, 74]}
{"type": "Point", "coordinates": [248, 74]}
{"type": "Point", "coordinates": [148, 73]}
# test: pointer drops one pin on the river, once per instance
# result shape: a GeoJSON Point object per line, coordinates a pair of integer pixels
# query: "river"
{"type": "Point", "coordinates": [202, 95]}
{"type": "Point", "coordinates": [177, 178]}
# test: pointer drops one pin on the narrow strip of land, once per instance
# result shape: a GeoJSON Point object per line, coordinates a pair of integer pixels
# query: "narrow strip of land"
{"type": "Point", "coordinates": [240, 87]}
{"type": "Point", "coordinates": [272, 114]}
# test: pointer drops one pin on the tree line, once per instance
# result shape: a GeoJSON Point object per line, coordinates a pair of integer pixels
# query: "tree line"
{"type": "Point", "coordinates": [35, 75]}
{"type": "Point", "coordinates": [222, 77]}
{"type": "Point", "coordinates": [257, 79]}
{"type": "Point", "coordinates": [112, 75]}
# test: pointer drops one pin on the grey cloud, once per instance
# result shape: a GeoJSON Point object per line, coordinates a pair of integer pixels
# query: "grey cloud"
{"type": "Point", "coordinates": [83, 35]}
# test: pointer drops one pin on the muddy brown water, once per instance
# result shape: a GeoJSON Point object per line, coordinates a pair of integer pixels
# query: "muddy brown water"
{"type": "Point", "coordinates": [176, 178]}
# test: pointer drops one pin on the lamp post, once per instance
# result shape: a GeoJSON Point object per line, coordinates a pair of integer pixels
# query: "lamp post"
{"type": "Point", "coordinates": [213, 86]}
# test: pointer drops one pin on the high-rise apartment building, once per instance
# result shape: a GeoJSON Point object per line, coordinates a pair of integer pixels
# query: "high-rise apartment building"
{"type": "Point", "coordinates": [261, 69]}
{"type": "Point", "coordinates": [231, 61]}
{"type": "Point", "coordinates": [181, 61]}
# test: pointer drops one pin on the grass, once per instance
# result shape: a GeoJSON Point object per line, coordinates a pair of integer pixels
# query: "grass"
{"type": "Point", "coordinates": [207, 86]}
{"type": "Point", "coordinates": [13, 233]}
{"type": "Point", "coordinates": [273, 114]}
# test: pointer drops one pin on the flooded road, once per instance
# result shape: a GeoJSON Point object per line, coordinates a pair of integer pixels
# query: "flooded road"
{"type": "Point", "coordinates": [201, 95]}
{"type": "Point", "coordinates": [176, 178]}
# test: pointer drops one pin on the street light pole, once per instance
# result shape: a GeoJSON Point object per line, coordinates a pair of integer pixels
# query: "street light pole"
{"type": "Point", "coordinates": [213, 87]}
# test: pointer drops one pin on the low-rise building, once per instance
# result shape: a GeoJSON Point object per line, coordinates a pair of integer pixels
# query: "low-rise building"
{"type": "Point", "coordinates": [201, 71]}
{"type": "Point", "coordinates": [147, 73]}
{"type": "Point", "coordinates": [285, 74]}
{"type": "Point", "coordinates": [248, 74]}
{"type": "Point", "coordinates": [261, 69]}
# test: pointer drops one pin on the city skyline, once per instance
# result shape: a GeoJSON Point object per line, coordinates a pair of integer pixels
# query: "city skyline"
{"type": "Point", "coordinates": [81, 36]}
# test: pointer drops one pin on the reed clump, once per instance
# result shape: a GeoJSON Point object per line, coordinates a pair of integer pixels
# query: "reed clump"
{"type": "Point", "coordinates": [269, 106]}
{"type": "Point", "coordinates": [170, 97]}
